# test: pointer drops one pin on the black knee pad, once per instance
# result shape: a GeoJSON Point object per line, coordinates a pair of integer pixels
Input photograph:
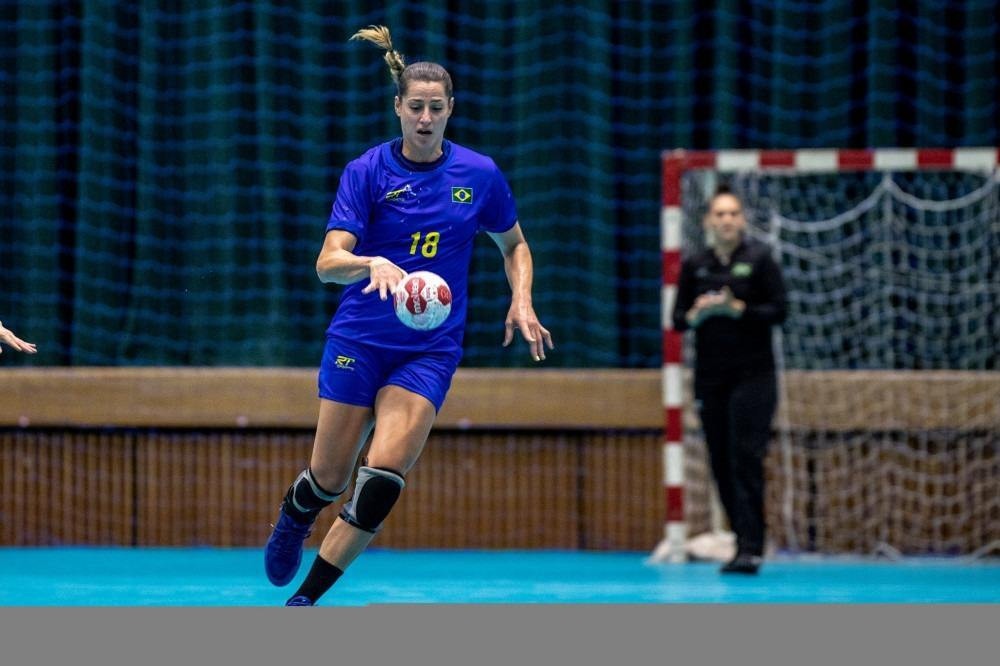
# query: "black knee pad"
{"type": "Point", "coordinates": [305, 496]}
{"type": "Point", "coordinates": [375, 493]}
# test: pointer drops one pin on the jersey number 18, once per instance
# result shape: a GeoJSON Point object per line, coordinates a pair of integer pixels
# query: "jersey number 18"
{"type": "Point", "coordinates": [430, 245]}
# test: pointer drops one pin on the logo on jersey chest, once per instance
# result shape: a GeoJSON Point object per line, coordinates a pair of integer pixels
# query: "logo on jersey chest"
{"type": "Point", "coordinates": [401, 194]}
{"type": "Point", "coordinates": [461, 195]}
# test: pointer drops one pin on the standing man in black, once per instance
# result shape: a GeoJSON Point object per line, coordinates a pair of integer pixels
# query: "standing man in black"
{"type": "Point", "coordinates": [731, 294]}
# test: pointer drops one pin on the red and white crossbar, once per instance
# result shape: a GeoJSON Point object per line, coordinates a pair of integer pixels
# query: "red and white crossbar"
{"type": "Point", "coordinates": [674, 164]}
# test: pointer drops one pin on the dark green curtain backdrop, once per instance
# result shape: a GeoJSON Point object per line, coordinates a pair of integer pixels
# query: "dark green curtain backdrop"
{"type": "Point", "coordinates": [166, 168]}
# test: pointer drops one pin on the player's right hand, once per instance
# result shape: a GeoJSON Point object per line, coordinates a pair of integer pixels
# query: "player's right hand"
{"type": "Point", "coordinates": [384, 276]}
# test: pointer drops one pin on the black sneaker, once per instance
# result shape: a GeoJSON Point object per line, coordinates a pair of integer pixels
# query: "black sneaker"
{"type": "Point", "coordinates": [743, 563]}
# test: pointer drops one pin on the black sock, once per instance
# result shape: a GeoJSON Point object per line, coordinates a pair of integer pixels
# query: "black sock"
{"type": "Point", "coordinates": [321, 578]}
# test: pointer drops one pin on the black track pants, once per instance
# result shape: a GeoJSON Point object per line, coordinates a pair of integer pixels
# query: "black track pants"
{"type": "Point", "coordinates": [736, 418]}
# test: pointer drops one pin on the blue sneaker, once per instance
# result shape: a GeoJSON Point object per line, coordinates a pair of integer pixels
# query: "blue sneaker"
{"type": "Point", "coordinates": [300, 600]}
{"type": "Point", "coordinates": [283, 552]}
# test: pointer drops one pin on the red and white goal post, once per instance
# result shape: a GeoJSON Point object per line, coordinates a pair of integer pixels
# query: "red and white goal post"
{"type": "Point", "coordinates": [678, 165]}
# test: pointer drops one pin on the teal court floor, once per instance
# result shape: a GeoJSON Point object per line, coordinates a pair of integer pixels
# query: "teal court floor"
{"type": "Point", "coordinates": [83, 576]}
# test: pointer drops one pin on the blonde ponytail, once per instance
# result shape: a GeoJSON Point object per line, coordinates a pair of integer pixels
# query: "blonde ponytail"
{"type": "Point", "coordinates": [402, 73]}
{"type": "Point", "coordinates": [380, 37]}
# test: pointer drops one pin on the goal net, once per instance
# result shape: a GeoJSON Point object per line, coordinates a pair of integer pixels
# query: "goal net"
{"type": "Point", "coordinates": [887, 433]}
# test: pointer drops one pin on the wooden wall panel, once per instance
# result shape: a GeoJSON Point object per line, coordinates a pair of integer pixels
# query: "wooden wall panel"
{"type": "Point", "coordinates": [590, 399]}
{"type": "Point", "coordinates": [514, 489]}
{"type": "Point", "coordinates": [471, 489]}
{"type": "Point", "coordinates": [66, 488]}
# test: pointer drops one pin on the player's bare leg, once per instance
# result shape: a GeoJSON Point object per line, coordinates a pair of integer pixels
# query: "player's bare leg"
{"type": "Point", "coordinates": [403, 422]}
{"type": "Point", "coordinates": [341, 433]}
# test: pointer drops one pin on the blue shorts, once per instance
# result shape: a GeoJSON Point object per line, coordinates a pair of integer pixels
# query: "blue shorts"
{"type": "Point", "coordinates": [353, 373]}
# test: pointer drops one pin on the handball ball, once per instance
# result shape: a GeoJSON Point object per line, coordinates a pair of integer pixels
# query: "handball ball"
{"type": "Point", "coordinates": [422, 300]}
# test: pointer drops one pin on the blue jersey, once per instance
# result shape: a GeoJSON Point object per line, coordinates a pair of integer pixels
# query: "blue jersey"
{"type": "Point", "coordinates": [420, 217]}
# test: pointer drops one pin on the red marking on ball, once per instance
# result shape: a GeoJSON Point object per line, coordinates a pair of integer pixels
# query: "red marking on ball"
{"type": "Point", "coordinates": [416, 303]}
{"type": "Point", "coordinates": [422, 300]}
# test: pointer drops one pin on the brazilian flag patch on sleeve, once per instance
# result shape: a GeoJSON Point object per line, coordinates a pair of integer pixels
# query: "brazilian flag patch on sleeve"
{"type": "Point", "coordinates": [461, 195]}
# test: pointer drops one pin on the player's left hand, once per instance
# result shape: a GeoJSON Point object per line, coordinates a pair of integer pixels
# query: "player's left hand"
{"type": "Point", "coordinates": [522, 317]}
